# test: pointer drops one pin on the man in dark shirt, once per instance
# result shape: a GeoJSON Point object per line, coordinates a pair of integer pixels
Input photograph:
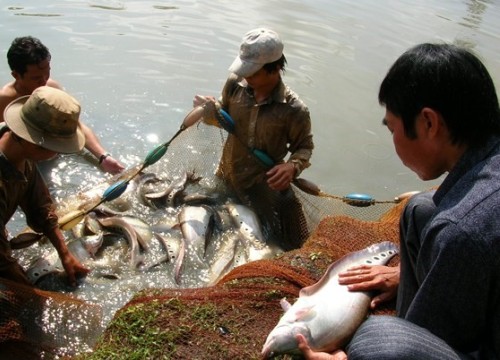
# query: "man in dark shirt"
{"type": "Point", "coordinates": [39, 126]}
{"type": "Point", "coordinates": [443, 113]}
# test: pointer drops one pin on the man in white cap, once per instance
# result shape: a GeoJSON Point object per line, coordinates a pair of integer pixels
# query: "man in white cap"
{"type": "Point", "coordinates": [270, 117]}
{"type": "Point", "coordinates": [39, 127]}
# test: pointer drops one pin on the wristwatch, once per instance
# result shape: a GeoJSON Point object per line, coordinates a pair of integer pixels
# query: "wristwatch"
{"type": "Point", "coordinates": [102, 157]}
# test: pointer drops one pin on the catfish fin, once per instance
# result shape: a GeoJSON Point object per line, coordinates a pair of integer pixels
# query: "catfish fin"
{"type": "Point", "coordinates": [285, 305]}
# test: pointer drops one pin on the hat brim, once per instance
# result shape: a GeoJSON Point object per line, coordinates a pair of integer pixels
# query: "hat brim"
{"type": "Point", "coordinates": [244, 68]}
{"type": "Point", "coordinates": [64, 145]}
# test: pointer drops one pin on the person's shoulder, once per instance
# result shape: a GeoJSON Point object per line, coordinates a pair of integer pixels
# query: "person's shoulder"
{"type": "Point", "coordinates": [293, 99]}
{"type": "Point", "coordinates": [7, 94]}
{"type": "Point", "coordinates": [55, 84]}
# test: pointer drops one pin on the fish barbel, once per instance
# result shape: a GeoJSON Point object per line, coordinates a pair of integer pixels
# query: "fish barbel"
{"type": "Point", "coordinates": [327, 313]}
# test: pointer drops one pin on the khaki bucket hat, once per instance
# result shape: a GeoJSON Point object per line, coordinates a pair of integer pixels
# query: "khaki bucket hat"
{"type": "Point", "coordinates": [48, 118]}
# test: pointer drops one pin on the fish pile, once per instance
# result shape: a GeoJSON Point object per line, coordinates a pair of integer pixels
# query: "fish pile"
{"type": "Point", "coordinates": [326, 313]}
{"type": "Point", "coordinates": [198, 233]}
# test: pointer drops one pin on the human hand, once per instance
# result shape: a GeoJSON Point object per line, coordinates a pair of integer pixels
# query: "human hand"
{"type": "Point", "coordinates": [280, 176]}
{"type": "Point", "coordinates": [309, 354]}
{"type": "Point", "coordinates": [74, 269]}
{"type": "Point", "coordinates": [111, 165]}
{"type": "Point", "coordinates": [200, 100]}
{"type": "Point", "coordinates": [384, 279]}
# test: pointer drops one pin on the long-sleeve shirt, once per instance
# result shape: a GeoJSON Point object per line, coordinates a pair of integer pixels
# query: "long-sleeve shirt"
{"type": "Point", "coordinates": [458, 265]}
{"type": "Point", "coordinates": [28, 191]}
{"type": "Point", "coordinates": [279, 126]}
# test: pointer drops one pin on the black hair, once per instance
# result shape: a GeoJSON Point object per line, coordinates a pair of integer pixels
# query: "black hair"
{"type": "Point", "coordinates": [450, 80]}
{"type": "Point", "coordinates": [24, 51]}
{"type": "Point", "coordinates": [278, 64]}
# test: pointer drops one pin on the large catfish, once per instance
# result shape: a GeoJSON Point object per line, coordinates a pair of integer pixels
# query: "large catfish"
{"type": "Point", "coordinates": [197, 225]}
{"type": "Point", "coordinates": [327, 313]}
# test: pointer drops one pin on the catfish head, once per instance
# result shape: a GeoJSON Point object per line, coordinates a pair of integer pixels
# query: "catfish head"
{"type": "Point", "coordinates": [282, 340]}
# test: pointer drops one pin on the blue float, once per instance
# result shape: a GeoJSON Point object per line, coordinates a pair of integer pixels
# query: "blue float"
{"type": "Point", "coordinates": [357, 199]}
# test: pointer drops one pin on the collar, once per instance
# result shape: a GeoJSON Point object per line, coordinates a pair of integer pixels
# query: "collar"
{"type": "Point", "coordinates": [469, 159]}
{"type": "Point", "coordinates": [278, 95]}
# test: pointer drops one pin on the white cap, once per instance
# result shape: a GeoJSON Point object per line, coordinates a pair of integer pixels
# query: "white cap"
{"type": "Point", "coordinates": [259, 47]}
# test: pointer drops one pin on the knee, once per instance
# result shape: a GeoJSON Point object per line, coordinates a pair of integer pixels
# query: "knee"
{"type": "Point", "coordinates": [418, 210]}
{"type": "Point", "coordinates": [421, 203]}
{"type": "Point", "coordinates": [376, 338]}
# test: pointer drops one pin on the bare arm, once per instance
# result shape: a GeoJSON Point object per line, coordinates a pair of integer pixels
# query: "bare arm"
{"type": "Point", "coordinates": [92, 144]}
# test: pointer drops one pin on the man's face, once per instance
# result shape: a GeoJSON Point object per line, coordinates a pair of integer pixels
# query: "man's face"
{"type": "Point", "coordinates": [262, 79]}
{"type": "Point", "coordinates": [38, 153]}
{"type": "Point", "coordinates": [34, 77]}
{"type": "Point", "coordinates": [422, 154]}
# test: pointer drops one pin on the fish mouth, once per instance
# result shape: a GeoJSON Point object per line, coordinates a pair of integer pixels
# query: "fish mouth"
{"type": "Point", "coordinates": [267, 354]}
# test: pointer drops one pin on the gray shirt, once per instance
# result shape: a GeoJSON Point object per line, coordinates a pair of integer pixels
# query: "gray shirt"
{"type": "Point", "coordinates": [458, 265]}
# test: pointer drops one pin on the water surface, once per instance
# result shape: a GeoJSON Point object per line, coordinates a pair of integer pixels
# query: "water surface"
{"type": "Point", "coordinates": [136, 65]}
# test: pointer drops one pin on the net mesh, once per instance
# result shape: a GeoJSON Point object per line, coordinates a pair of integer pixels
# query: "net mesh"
{"type": "Point", "coordinates": [229, 320]}
{"type": "Point", "coordinates": [36, 324]}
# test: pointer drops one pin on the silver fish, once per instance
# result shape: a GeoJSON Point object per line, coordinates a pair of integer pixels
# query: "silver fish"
{"type": "Point", "coordinates": [143, 231]}
{"type": "Point", "coordinates": [143, 184]}
{"type": "Point", "coordinates": [83, 249]}
{"type": "Point", "coordinates": [248, 225]}
{"type": "Point", "coordinates": [121, 225]}
{"type": "Point", "coordinates": [172, 247]}
{"type": "Point", "coordinates": [327, 313]}
{"type": "Point", "coordinates": [169, 196]}
{"type": "Point", "coordinates": [196, 223]}
{"type": "Point", "coordinates": [224, 257]}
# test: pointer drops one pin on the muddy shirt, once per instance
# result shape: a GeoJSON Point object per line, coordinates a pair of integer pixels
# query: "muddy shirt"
{"type": "Point", "coordinates": [28, 191]}
{"type": "Point", "coordinates": [279, 126]}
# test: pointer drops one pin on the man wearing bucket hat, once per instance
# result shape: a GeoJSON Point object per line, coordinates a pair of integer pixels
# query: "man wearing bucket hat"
{"type": "Point", "coordinates": [29, 61]}
{"type": "Point", "coordinates": [270, 117]}
{"type": "Point", "coordinates": [39, 126]}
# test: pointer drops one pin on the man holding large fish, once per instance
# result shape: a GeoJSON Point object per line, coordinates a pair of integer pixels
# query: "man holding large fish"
{"type": "Point", "coordinates": [443, 113]}
{"type": "Point", "coordinates": [38, 127]}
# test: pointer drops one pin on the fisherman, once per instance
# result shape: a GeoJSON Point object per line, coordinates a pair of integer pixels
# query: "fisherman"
{"type": "Point", "coordinates": [39, 126]}
{"type": "Point", "coordinates": [270, 117]}
{"type": "Point", "coordinates": [29, 61]}
{"type": "Point", "coordinates": [443, 113]}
